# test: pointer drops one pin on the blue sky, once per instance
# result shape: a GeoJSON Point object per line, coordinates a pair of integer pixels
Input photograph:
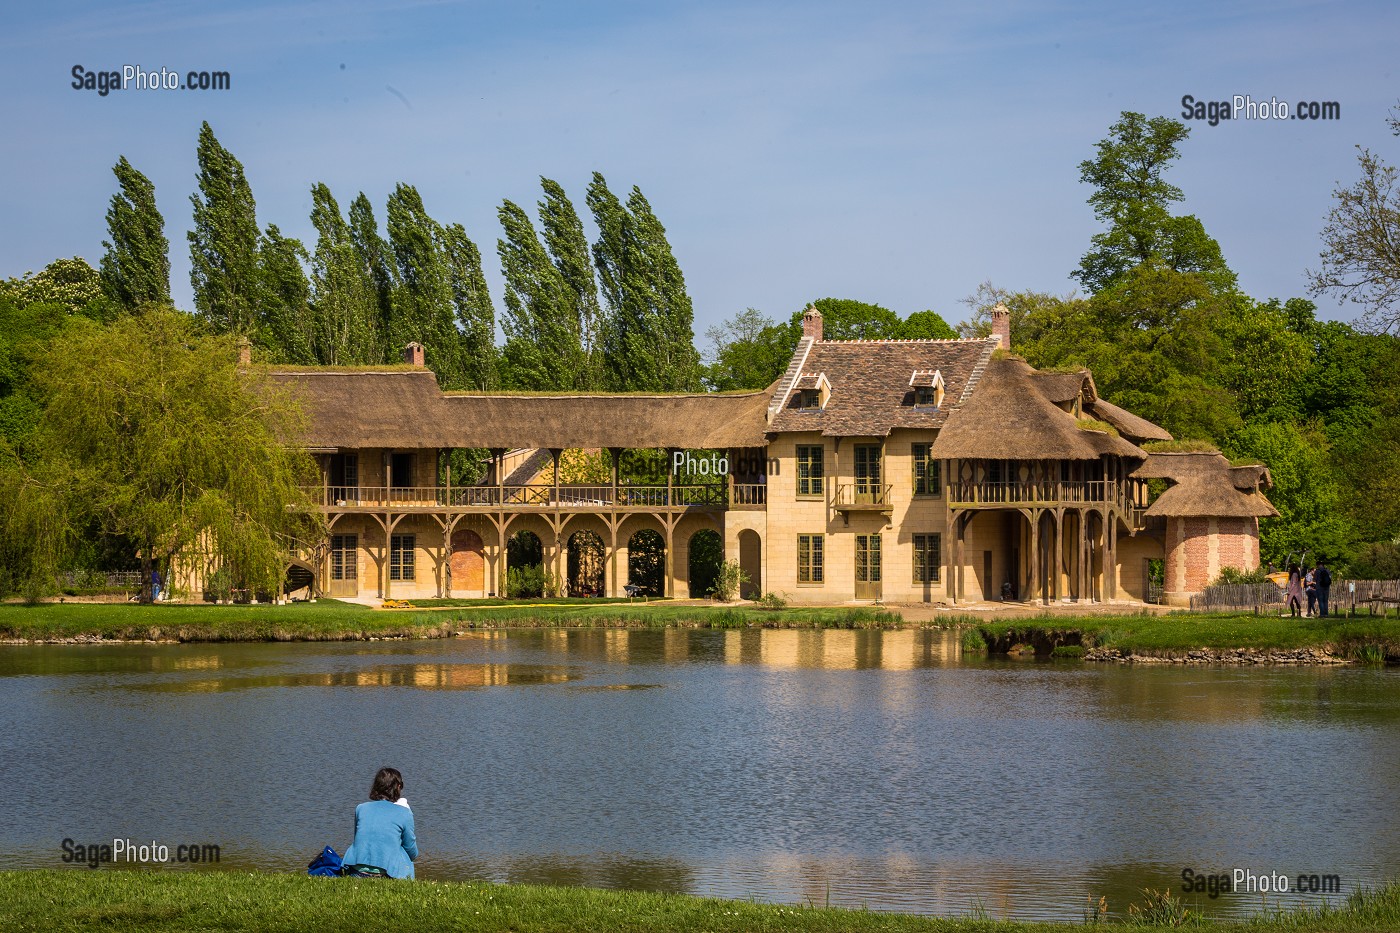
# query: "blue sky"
{"type": "Point", "coordinates": [899, 153]}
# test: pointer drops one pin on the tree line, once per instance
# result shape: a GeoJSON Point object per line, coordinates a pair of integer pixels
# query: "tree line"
{"type": "Point", "coordinates": [611, 315]}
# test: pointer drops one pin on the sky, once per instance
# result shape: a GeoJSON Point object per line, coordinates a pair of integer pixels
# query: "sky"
{"type": "Point", "coordinates": [897, 153]}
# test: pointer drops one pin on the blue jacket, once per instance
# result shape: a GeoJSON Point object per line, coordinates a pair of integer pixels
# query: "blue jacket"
{"type": "Point", "coordinates": [384, 838]}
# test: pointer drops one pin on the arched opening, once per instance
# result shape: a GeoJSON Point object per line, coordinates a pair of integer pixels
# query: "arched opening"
{"type": "Point", "coordinates": [466, 568]}
{"type": "Point", "coordinates": [299, 583]}
{"type": "Point", "coordinates": [524, 566]}
{"type": "Point", "coordinates": [586, 562]}
{"type": "Point", "coordinates": [751, 562]}
{"type": "Point", "coordinates": [706, 561]}
{"type": "Point", "coordinates": [646, 562]}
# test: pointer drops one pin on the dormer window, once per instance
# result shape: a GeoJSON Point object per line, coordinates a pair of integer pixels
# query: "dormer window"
{"type": "Point", "coordinates": [928, 388]}
{"type": "Point", "coordinates": [812, 391]}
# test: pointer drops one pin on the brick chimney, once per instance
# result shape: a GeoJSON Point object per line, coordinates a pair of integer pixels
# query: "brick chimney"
{"type": "Point", "coordinates": [413, 355]}
{"type": "Point", "coordinates": [1001, 326]}
{"type": "Point", "coordinates": [812, 323]}
{"type": "Point", "coordinates": [245, 352]}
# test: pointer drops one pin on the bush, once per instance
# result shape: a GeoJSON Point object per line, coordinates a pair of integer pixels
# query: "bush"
{"type": "Point", "coordinates": [1067, 651]}
{"type": "Point", "coordinates": [1377, 561]}
{"type": "Point", "coordinates": [728, 582]}
{"type": "Point", "coordinates": [220, 585]}
{"type": "Point", "coordinates": [525, 582]}
{"type": "Point", "coordinates": [771, 601]}
{"type": "Point", "coordinates": [1234, 575]}
{"type": "Point", "coordinates": [973, 641]}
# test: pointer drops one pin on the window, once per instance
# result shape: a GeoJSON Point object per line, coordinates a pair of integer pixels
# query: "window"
{"type": "Point", "coordinates": [401, 557]}
{"type": "Point", "coordinates": [928, 477]}
{"type": "Point", "coordinates": [927, 558]}
{"type": "Point", "coordinates": [924, 397]}
{"type": "Point", "coordinates": [810, 562]}
{"type": "Point", "coordinates": [867, 468]}
{"type": "Point", "coordinates": [867, 558]}
{"type": "Point", "coordinates": [344, 551]}
{"type": "Point", "coordinates": [809, 471]}
{"type": "Point", "coordinates": [809, 399]}
{"type": "Point", "coordinates": [345, 470]}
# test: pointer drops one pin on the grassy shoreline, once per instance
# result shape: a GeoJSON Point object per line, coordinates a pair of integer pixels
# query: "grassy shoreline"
{"type": "Point", "coordinates": [1205, 638]}
{"type": "Point", "coordinates": [80, 900]}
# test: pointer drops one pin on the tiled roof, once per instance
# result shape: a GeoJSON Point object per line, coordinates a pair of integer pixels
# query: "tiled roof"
{"type": "Point", "coordinates": [870, 391]}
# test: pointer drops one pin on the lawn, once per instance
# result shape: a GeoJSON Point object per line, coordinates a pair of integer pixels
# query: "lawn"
{"type": "Point", "coordinates": [122, 901]}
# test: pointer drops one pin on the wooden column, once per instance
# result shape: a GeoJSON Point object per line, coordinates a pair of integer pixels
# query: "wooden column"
{"type": "Point", "coordinates": [1035, 556]}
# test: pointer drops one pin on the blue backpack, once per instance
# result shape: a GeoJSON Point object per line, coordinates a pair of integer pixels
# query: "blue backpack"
{"type": "Point", "coordinates": [326, 865]}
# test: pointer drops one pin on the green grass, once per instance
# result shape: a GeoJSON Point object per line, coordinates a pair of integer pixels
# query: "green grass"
{"type": "Point", "coordinates": [1364, 638]}
{"type": "Point", "coordinates": [121, 901]}
{"type": "Point", "coordinates": [325, 619]}
{"type": "Point", "coordinates": [330, 620]}
{"type": "Point", "coordinates": [507, 601]}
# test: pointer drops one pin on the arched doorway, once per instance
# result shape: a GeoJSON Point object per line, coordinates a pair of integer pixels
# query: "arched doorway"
{"type": "Point", "coordinates": [467, 567]}
{"type": "Point", "coordinates": [299, 583]}
{"type": "Point", "coordinates": [706, 561]}
{"type": "Point", "coordinates": [646, 562]}
{"type": "Point", "coordinates": [751, 562]}
{"type": "Point", "coordinates": [586, 564]}
{"type": "Point", "coordinates": [524, 566]}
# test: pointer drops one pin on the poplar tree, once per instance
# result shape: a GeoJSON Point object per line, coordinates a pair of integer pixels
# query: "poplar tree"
{"type": "Point", "coordinates": [284, 300]}
{"type": "Point", "coordinates": [423, 309]}
{"type": "Point", "coordinates": [476, 316]}
{"type": "Point", "coordinates": [648, 335]}
{"type": "Point", "coordinates": [377, 260]}
{"type": "Point", "coordinates": [135, 269]}
{"type": "Point", "coordinates": [543, 348]}
{"type": "Point", "coordinates": [224, 241]}
{"type": "Point", "coordinates": [563, 236]}
{"type": "Point", "coordinates": [345, 308]}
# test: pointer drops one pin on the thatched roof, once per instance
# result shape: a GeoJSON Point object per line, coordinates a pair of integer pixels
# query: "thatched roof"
{"type": "Point", "coordinates": [870, 390]}
{"type": "Point", "coordinates": [1009, 417]}
{"type": "Point", "coordinates": [1062, 388]}
{"type": "Point", "coordinates": [406, 409]}
{"type": "Point", "coordinates": [1205, 485]}
{"type": "Point", "coordinates": [1138, 430]}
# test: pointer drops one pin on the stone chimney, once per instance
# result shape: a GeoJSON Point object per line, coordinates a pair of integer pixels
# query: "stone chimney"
{"type": "Point", "coordinates": [1001, 326]}
{"type": "Point", "coordinates": [245, 352]}
{"type": "Point", "coordinates": [413, 355]}
{"type": "Point", "coordinates": [812, 323]}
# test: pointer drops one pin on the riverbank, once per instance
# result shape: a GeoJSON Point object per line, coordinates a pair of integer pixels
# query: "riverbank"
{"type": "Point", "coordinates": [330, 620]}
{"type": "Point", "coordinates": [119, 901]}
{"type": "Point", "coordinates": [1197, 638]}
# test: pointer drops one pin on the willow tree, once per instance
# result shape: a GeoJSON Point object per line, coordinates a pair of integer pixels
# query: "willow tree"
{"type": "Point", "coordinates": [165, 442]}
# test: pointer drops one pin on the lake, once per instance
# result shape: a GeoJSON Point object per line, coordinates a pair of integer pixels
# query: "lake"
{"type": "Point", "coordinates": [863, 769]}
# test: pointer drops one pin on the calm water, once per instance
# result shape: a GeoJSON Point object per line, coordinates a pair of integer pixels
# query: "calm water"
{"type": "Point", "coordinates": [860, 768]}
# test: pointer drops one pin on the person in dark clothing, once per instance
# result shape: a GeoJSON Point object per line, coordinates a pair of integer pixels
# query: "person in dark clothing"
{"type": "Point", "coordinates": [1323, 577]}
{"type": "Point", "coordinates": [1310, 588]}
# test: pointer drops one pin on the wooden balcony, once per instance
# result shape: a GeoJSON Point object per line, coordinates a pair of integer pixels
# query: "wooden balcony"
{"type": "Point", "coordinates": [973, 495]}
{"type": "Point", "coordinates": [863, 497]}
{"type": "Point", "coordinates": [748, 496]}
{"type": "Point", "coordinates": [530, 496]}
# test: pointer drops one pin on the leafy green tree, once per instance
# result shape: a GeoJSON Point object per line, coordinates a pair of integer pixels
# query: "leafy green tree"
{"type": "Point", "coordinates": [377, 260]}
{"type": "Point", "coordinates": [748, 351]}
{"type": "Point", "coordinates": [423, 309]}
{"type": "Point", "coordinates": [1305, 491]}
{"type": "Point", "coordinates": [544, 346]}
{"type": "Point", "coordinates": [926, 325]}
{"type": "Point", "coordinates": [847, 319]}
{"type": "Point", "coordinates": [136, 265]}
{"type": "Point", "coordinates": [285, 328]}
{"type": "Point", "coordinates": [476, 316]}
{"type": "Point", "coordinates": [345, 310]}
{"type": "Point", "coordinates": [224, 242]}
{"type": "Point", "coordinates": [161, 440]}
{"type": "Point", "coordinates": [1361, 243]}
{"type": "Point", "coordinates": [70, 285]}
{"type": "Point", "coordinates": [647, 337]}
{"type": "Point", "coordinates": [1133, 199]}
{"type": "Point", "coordinates": [563, 236]}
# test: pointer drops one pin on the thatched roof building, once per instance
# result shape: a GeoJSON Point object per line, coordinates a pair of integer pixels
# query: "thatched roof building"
{"type": "Point", "coordinates": [1205, 484]}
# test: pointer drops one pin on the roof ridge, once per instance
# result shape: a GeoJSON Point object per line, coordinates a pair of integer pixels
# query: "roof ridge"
{"type": "Point", "coordinates": [910, 340]}
{"type": "Point", "coordinates": [979, 368]}
{"type": "Point", "coordinates": [794, 369]}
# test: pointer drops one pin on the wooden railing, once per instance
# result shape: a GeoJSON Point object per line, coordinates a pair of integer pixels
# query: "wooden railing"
{"type": "Point", "coordinates": [532, 495]}
{"type": "Point", "coordinates": [748, 496]}
{"type": "Point", "coordinates": [863, 495]}
{"type": "Point", "coordinates": [966, 493]}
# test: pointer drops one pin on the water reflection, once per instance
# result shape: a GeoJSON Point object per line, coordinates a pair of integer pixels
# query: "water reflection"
{"type": "Point", "coordinates": [422, 676]}
{"type": "Point", "coordinates": [863, 768]}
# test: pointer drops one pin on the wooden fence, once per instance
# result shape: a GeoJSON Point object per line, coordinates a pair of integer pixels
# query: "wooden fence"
{"type": "Point", "coordinates": [1346, 596]}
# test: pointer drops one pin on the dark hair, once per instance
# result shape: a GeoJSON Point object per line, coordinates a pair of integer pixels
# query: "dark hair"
{"type": "Point", "coordinates": [388, 785]}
